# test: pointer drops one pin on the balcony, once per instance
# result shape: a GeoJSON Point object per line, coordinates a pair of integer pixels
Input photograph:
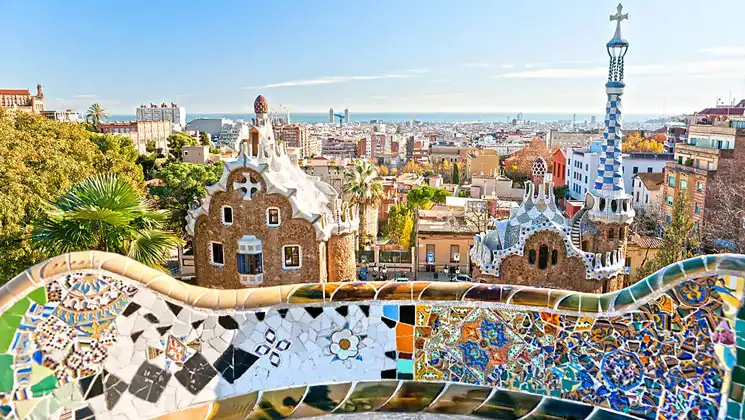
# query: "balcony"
{"type": "Point", "coordinates": [675, 166]}
{"type": "Point", "coordinates": [251, 279]}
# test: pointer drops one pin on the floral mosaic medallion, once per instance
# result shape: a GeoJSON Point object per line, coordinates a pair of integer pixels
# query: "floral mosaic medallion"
{"type": "Point", "coordinates": [622, 370]}
{"type": "Point", "coordinates": [345, 345]}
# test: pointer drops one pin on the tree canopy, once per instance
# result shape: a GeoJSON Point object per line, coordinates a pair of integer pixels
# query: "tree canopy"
{"type": "Point", "coordinates": [39, 160]}
{"type": "Point", "coordinates": [176, 142]}
{"type": "Point", "coordinates": [519, 165]}
{"type": "Point", "coordinates": [183, 184]}
{"type": "Point", "coordinates": [425, 197]}
{"type": "Point", "coordinates": [636, 142]}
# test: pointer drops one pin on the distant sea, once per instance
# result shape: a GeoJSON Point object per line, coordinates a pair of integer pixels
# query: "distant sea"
{"type": "Point", "coordinates": [425, 117]}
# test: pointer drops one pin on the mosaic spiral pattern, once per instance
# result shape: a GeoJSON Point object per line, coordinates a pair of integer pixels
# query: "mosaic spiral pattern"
{"type": "Point", "coordinates": [97, 335]}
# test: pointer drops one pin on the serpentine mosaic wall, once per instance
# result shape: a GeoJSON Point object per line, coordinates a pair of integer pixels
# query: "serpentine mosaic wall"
{"type": "Point", "coordinates": [97, 335]}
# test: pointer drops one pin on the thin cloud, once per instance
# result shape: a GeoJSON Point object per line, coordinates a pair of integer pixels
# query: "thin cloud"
{"type": "Point", "coordinates": [723, 50]}
{"type": "Point", "coordinates": [441, 95]}
{"type": "Point", "coordinates": [378, 97]}
{"type": "Point", "coordinates": [327, 81]}
{"type": "Point", "coordinates": [184, 95]}
{"type": "Point", "coordinates": [693, 68]}
{"type": "Point", "coordinates": [508, 66]}
{"type": "Point", "coordinates": [86, 96]}
{"type": "Point", "coordinates": [477, 65]}
{"type": "Point", "coordinates": [418, 71]}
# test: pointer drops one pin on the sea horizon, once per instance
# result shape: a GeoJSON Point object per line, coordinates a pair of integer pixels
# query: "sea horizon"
{"type": "Point", "coordinates": [432, 117]}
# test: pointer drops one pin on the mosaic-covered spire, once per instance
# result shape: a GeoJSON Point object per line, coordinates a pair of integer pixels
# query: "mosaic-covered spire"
{"type": "Point", "coordinates": [609, 182]}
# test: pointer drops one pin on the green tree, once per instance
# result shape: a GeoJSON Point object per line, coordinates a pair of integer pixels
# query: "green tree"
{"type": "Point", "coordinates": [95, 114]}
{"type": "Point", "coordinates": [119, 156]}
{"type": "Point", "coordinates": [149, 165]}
{"type": "Point", "coordinates": [407, 233]}
{"type": "Point", "coordinates": [204, 138]}
{"type": "Point", "coordinates": [425, 197]}
{"type": "Point", "coordinates": [39, 160]}
{"type": "Point", "coordinates": [184, 184]}
{"type": "Point", "coordinates": [364, 187]}
{"type": "Point", "coordinates": [679, 239]}
{"type": "Point", "coordinates": [397, 218]}
{"type": "Point", "coordinates": [176, 142]}
{"type": "Point", "coordinates": [105, 213]}
{"type": "Point", "coordinates": [150, 146]}
{"type": "Point", "coordinates": [456, 174]}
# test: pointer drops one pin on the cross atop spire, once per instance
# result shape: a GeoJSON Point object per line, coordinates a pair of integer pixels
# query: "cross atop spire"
{"type": "Point", "coordinates": [619, 16]}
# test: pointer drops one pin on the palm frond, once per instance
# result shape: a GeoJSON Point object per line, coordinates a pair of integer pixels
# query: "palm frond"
{"type": "Point", "coordinates": [152, 247]}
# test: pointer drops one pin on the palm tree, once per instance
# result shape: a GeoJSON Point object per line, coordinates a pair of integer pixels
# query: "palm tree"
{"type": "Point", "coordinates": [105, 213]}
{"type": "Point", "coordinates": [95, 114]}
{"type": "Point", "coordinates": [364, 188]}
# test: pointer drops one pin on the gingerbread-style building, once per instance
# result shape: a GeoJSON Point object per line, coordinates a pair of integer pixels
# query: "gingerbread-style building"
{"type": "Point", "coordinates": [538, 246]}
{"type": "Point", "coordinates": [266, 222]}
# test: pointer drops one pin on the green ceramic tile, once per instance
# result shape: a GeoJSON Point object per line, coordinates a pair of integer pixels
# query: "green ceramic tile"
{"type": "Point", "coordinates": [9, 322]}
{"type": "Point", "coordinates": [733, 409]}
{"type": "Point", "coordinates": [738, 375]}
{"type": "Point", "coordinates": [44, 386]}
{"type": "Point", "coordinates": [531, 297]}
{"type": "Point", "coordinates": [39, 296]}
{"type": "Point", "coordinates": [623, 299]}
{"type": "Point", "coordinates": [640, 289]}
{"type": "Point", "coordinates": [694, 265]}
{"type": "Point", "coordinates": [6, 372]}
{"type": "Point", "coordinates": [589, 303]}
{"type": "Point", "coordinates": [570, 303]}
{"type": "Point", "coordinates": [734, 263]}
{"type": "Point", "coordinates": [740, 356]}
{"type": "Point", "coordinates": [672, 272]}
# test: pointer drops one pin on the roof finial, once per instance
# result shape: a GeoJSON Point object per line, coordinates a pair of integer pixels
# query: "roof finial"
{"type": "Point", "coordinates": [619, 17]}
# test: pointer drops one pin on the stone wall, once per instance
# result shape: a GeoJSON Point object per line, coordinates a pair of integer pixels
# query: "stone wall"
{"type": "Point", "coordinates": [249, 218]}
{"type": "Point", "coordinates": [568, 273]}
{"type": "Point", "coordinates": [600, 243]}
{"type": "Point", "coordinates": [341, 258]}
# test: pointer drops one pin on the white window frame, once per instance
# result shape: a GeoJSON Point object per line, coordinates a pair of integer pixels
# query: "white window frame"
{"type": "Point", "coordinates": [222, 216]}
{"type": "Point", "coordinates": [300, 257]}
{"type": "Point", "coordinates": [279, 218]}
{"type": "Point", "coordinates": [212, 256]}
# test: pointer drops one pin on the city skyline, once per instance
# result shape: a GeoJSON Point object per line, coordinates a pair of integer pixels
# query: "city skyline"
{"type": "Point", "coordinates": [414, 57]}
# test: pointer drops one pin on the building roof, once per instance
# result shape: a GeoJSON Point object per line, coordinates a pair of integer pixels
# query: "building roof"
{"type": "Point", "coordinates": [650, 242]}
{"type": "Point", "coordinates": [738, 109]}
{"type": "Point", "coordinates": [652, 181]}
{"type": "Point", "coordinates": [15, 92]}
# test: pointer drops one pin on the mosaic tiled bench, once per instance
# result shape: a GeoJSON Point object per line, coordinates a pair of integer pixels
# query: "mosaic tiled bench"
{"type": "Point", "coordinates": [98, 335]}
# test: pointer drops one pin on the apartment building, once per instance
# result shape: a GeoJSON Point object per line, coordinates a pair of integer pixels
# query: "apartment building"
{"type": "Point", "coordinates": [141, 132]}
{"type": "Point", "coordinates": [714, 149]}
{"type": "Point", "coordinates": [339, 148]}
{"type": "Point", "coordinates": [172, 113]}
{"type": "Point", "coordinates": [298, 135]}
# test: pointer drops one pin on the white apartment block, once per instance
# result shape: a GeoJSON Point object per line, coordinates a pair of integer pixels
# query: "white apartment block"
{"type": "Point", "coordinates": [163, 112]}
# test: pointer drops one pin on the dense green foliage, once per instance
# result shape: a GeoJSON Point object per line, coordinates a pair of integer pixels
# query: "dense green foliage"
{"type": "Point", "coordinates": [105, 213]}
{"type": "Point", "coordinates": [395, 228]}
{"type": "Point", "coordinates": [425, 197]}
{"type": "Point", "coordinates": [455, 177]}
{"type": "Point", "coordinates": [204, 138]}
{"type": "Point", "coordinates": [183, 184]}
{"type": "Point", "coordinates": [41, 159]}
{"type": "Point", "coordinates": [679, 240]}
{"type": "Point", "coordinates": [176, 142]}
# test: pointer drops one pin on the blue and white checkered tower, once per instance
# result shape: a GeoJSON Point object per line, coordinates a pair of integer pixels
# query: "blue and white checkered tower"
{"type": "Point", "coordinates": [609, 187]}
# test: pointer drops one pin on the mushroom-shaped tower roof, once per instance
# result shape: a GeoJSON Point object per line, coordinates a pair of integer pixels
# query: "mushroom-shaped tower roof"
{"type": "Point", "coordinates": [261, 105]}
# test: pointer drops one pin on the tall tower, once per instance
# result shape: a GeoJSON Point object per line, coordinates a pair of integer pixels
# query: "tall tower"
{"type": "Point", "coordinates": [608, 205]}
{"type": "Point", "coordinates": [331, 115]}
{"type": "Point", "coordinates": [346, 115]}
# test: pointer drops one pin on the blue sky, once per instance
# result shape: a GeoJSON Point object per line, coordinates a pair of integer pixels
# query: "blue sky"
{"type": "Point", "coordinates": [382, 55]}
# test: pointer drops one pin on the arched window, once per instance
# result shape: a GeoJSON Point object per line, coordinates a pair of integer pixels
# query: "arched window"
{"type": "Point", "coordinates": [611, 234]}
{"type": "Point", "coordinates": [255, 141]}
{"type": "Point", "coordinates": [625, 205]}
{"type": "Point", "coordinates": [554, 257]}
{"type": "Point", "coordinates": [621, 232]}
{"type": "Point", "coordinates": [531, 256]}
{"type": "Point", "coordinates": [614, 205]}
{"type": "Point", "coordinates": [602, 204]}
{"type": "Point", "coordinates": [226, 217]}
{"type": "Point", "coordinates": [543, 257]}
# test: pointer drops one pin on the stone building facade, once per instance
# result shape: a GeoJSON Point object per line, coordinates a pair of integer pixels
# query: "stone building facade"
{"type": "Point", "coordinates": [23, 100]}
{"type": "Point", "coordinates": [539, 246]}
{"type": "Point", "coordinates": [266, 222]}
